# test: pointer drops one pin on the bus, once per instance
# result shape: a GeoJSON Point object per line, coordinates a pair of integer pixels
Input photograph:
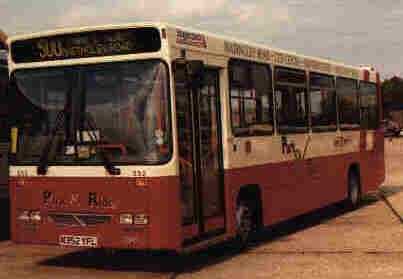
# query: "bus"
{"type": "Point", "coordinates": [152, 136]}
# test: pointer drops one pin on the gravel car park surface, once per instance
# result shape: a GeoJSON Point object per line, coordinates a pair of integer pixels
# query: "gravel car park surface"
{"type": "Point", "coordinates": [328, 243]}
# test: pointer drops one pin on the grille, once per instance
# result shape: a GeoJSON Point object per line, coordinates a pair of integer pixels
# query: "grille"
{"type": "Point", "coordinates": [79, 220]}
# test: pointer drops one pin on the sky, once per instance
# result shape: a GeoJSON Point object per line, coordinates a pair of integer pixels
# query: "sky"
{"type": "Point", "coordinates": [357, 32]}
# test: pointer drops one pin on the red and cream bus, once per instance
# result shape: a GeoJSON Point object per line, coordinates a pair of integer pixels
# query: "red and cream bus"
{"type": "Point", "coordinates": [152, 136]}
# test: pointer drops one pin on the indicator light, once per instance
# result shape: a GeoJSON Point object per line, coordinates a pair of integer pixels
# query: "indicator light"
{"type": "Point", "coordinates": [126, 219]}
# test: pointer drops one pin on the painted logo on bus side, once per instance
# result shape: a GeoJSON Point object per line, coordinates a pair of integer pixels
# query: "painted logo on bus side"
{"type": "Point", "coordinates": [290, 147]}
{"type": "Point", "coordinates": [96, 200]}
{"type": "Point", "coordinates": [50, 199]}
{"type": "Point", "coordinates": [191, 39]}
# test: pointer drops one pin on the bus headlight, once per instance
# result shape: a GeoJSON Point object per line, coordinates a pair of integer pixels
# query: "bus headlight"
{"type": "Point", "coordinates": [24, 216]}
{"type": "Point", "coordinates": [141, 219]}
{"type": "Point", "coordinates": [30, 216]}
{"type": "Point", "coordinates": [126, 219]}
{"type": "Point", "coordinates": [35, 216]}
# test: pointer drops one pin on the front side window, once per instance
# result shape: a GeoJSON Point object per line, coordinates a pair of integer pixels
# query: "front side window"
{"type": "Point", "coordinates": [348, 104]}
{"type": "Point", "coordinates": [369, 106]}
{"type": "Point", "coordinates": [39, 98]}
{"type": "Point", "coordinates": [323, 103]}
{"type": "Point", "coordinates": [121, 109]}
{"type": "Point", "coordinates": [291, 101]}
{"type": "Point", "coordinates": [251, 98]}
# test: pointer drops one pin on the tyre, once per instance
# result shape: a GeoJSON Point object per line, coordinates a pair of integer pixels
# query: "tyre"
{"type": "Point", "coordinates": [245, 222]}
{"type": "Point", "coordinates": [354, 190]}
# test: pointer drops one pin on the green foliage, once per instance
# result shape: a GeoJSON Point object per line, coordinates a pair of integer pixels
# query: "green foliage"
{"type": "Point", "coordinates": [392, 93]}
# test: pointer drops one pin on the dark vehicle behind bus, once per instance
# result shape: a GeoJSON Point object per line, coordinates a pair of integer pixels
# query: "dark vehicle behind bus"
{"type": "Point", "coordinates": [392, 129]}
{"type": "Point", "coordinates": [4, 139]}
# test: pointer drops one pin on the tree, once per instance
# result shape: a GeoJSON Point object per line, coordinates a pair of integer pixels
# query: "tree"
{"type": "Point", "coordinates": [392, 94]}
{"type": "Point", "coordinates": [3, 39]}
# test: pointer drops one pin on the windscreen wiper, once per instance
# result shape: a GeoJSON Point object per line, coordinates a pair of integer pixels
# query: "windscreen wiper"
{"type": "Point", "coordinates": [109, 166]}
{"type": "Point", "coordinates": [44, 159]}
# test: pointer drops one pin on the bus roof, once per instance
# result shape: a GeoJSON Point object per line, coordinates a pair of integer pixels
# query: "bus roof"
{"type": "Point", "coordinates": [73, 30]}
{"type": "Point", "coordinates": [174, 28]}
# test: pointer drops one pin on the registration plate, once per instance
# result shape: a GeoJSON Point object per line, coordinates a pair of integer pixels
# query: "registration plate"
{"type": "Point", "coordinates": [78, 241]}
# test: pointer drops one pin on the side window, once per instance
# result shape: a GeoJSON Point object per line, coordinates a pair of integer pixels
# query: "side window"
{"type": "Point", "coordinates": [251, 98]}
{"type": "Point", "coordinates": [291, 100]}
{"type": "Point", "coordinates": [323, 103]}
{"type": "Point", "coordinates": [369, 107]}
{"type": "Point", "coordinates": [348, 104]}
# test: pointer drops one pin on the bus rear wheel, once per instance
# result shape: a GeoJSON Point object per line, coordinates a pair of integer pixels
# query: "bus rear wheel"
{"type": "Point", "coordinates": [354, 190]}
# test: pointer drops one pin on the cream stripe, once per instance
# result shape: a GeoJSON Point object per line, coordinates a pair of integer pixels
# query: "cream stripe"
{"type": "Point", "coordinates": [267, 150]}
{"type": "Point", "coordinates": [97, 171]}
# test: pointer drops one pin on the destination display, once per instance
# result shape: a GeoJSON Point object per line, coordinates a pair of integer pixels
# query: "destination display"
{"type": "Point", "coordinates": [87, 44]}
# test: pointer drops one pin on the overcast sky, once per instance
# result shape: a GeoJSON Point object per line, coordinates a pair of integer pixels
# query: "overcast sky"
{"type": "Point", "coordinates": [351, 31]}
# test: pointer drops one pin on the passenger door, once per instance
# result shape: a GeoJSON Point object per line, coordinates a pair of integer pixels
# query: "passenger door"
{"type": "Point", "coordinates": [200, 156]}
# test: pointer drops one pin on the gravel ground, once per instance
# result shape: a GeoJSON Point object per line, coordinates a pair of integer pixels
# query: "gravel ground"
{"type": "Point", "coordinates": [329, 243]}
